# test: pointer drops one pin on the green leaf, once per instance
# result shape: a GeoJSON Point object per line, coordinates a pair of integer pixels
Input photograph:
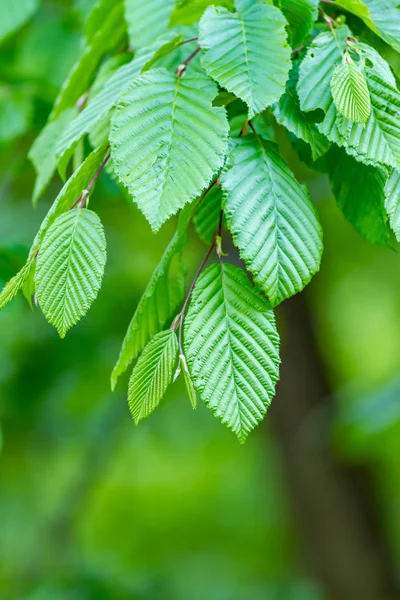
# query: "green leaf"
{"type": "Point", "coordinates": [232, 348]}
{"type": "Point", "coordinates": [110, 35]}
{"type": "Point", "coordinates": [316, 69]}
{"type": "Point", "coordinates": [301, 15]}
{"type": "Point", "coordinates": [288, 113]}
{"type": "Point", "coordinates": [392, 202]}
{"type": "Point", "coordinates": [207, 216]}
{"type": "Point", "coordinates": [188, 12]}
{"type": "Point", "coordinates": [72, 189]}
{"type": "Point", "coordinates": [70, 267]}
{"type": "Point", "coordinates": [15, 284]}
{"type": "Point", "coordinates": [378, 141]}
{"type": "Point", "coordinates": [160, 302]}
{"type": "Point", "coordinates": [16, 111]}
{"type": "Point", "coordinates": [350, 92]}
{"type": "Point", "coordinates": [152, 374]}
{"type": "Point", "coordinates": [381, 16]}
{"type": "Point", "coordinates": [271, 218]}
{"type": "Point", "coordinates": [14, 14]}
{"type": "Point", "coordinates": [167, 141]}
{"type": "Point", "coordinates": [247, 53]}
{"type": "Point", "coordinates": [147, 20]}
{"type": "Point", "coordinates": [188, 380]}
{"type": "Point", "coordinates": [359, 192]}
{"type": "Point", "coordinates": [43, 151]}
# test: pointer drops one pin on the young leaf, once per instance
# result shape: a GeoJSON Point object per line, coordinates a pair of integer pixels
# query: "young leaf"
{"type": "Point", "coordinates": [350, 92]}
{"type": "Point", "coordinates": [271, 218]}
{"type": "Point", "coordinates": [287, 112]}
{"type": "Point", "coordinates": [160, 302]}
{"type": "Point", "coordinates": [359, 192]}
{"type": "Point", "coordinates": [232, 348]}
{"type": "Point", "coordinates": [70, 267]}
{"type": "Point", "coordinates": [147, 20]}
{"type": "Point", "coordinates": [43, 151]}
{"type": "Point", "coordinates": [167, 141]}
{"type": "Point", "coordinates": [15, 284]}
{"type": "Point", "coordinates": [247, 53]}
{"type": "Point", "coordinates": [301, 15]}
{"type": "Point", "coordinates": [14, 14]}
{"type": "Point", "coordinates": [206, 218]}
{"type": "Point", "coordinates": [392, 202]}
{"type": "Point", "coordinates": [316, 69]}
{"type": "Point", "coordinates": [152, 374]}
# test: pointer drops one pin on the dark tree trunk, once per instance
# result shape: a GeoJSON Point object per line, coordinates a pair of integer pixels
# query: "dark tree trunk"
{"type": "Point", "coordinates": [334, 504]}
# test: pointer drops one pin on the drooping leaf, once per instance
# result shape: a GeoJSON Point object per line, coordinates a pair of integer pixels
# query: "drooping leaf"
{"type": "Point", "coordinates": [152, 374]}
{"type": "Point", "coordinates": [72, 189]}
{"type": "Point", "coordinates": [350, 92]}
{"type": "Point", "coordinates": [188, 380]}
{"type": "Point", "coordinates": [301, 15]}
{"type": "Point", "coordinates": [43, 151]}
{"type": "Point", "coordinates": [147, 20]}
{"type": "Point", "coordinates": [160, 302]}
{"type": "Point", "coordinates": [271, 218]}
{"type": "Point", "coordinates": [207, 216]}
{"type": "Point", "coordinates": [232, 348]}
{"type": "Point", "coordinates": [15, 284]}
{"type": "Point", "coordinates": [14, 14]}
{"type": "Point", "coordinates": [167, 141]}
{"type": "Point", "coordinates": [359, 192]}
{"type": "Point", "coordinates": [247, 53]}
{"type": "Point", "coordinates": [288, 113]}
{"type": "Point", "coordinates": [316, 69]}
{"type": "Point", "coordinates": [381, 16]}
{"type": "Point", "coordinates": [70, 267]}
{"type": "Point", "coordinates": [392, 202]}
{"type": "Point", "coordinates": [187, 12]}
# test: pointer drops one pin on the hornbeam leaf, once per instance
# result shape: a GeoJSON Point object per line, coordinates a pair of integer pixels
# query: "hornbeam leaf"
{"type": "Point", "coordinates": [14, 14]}
{"type": "Point", "coordinates": [15, 284]}
{"type": "Point", "coordinates": [152, 374]}
{"type": "Point", "coordinates": [359, 192]}
{"type": "Point", "coordinates": [167, 141]}
{"type": "Point", "coordinates": [161, 299]}
{"type": "Point", "coordinates": [316, 69]}
{"type": "Point", "coordinates": [70, 267]}
{"type": "Point", "coordinates": [147, 20]}
{"type": "Point", "coordinates": [392, 202]}
{"type": "Point", "coordinates": [232, 347]}
{"type": "Point", "coordinates": [247, 53]}
{"type": "Point", "coordinates": [350, 92]}
{"type": "Point", "coordinates": [43, 151]}
{"type": "Point", "coordinates": [287, 112]}
{"type": "Point", "coordinates": [301, 15]}
{"type": "Point", "coordinates": [271, 218]}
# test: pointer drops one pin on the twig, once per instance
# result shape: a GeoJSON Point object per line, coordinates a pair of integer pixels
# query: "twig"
{"type": "Point", "coordinates": [182, 68]}
{"type": "Point", "coordinates": [82, 198]}
{"type": "Point", "coordinates": [326, 18]}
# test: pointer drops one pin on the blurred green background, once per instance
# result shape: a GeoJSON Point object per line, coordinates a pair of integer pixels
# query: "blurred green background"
{"type": "Point", "coordinates": [92, 507]}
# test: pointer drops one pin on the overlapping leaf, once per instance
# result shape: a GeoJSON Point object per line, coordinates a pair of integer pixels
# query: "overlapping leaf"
{"type": "Point", "coordinates": [187, 12]}
{"type": "Point", "coordinates": [271, 218]}
{"type": "Point", "coordinates": [232, 348]}
{"type": "Point", "coordinates": [147, 20]}
{"type": "Point", "coordinates": [207, 215]}
{"type": "Point", "coordinates": [359, 191]}
{"type": "Point", "coordinates": [392, 202]}
{"type": "Point", "coordinates": [152, 374]}
{"type": "Point", "coordinates": [301, 15]}
{"type": "Point", "coordinates": [167, 141]}
{"type": "Point", "coordinates": [288, 113]}
{"type": "Point", "coordinates": [70, 267]}
{"type": "Point", "coordinates": [247, 53]}
{"type": "Point", "coordinates": [15, 284]}
{"type": "Point", "coordinates": [350, 92]}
